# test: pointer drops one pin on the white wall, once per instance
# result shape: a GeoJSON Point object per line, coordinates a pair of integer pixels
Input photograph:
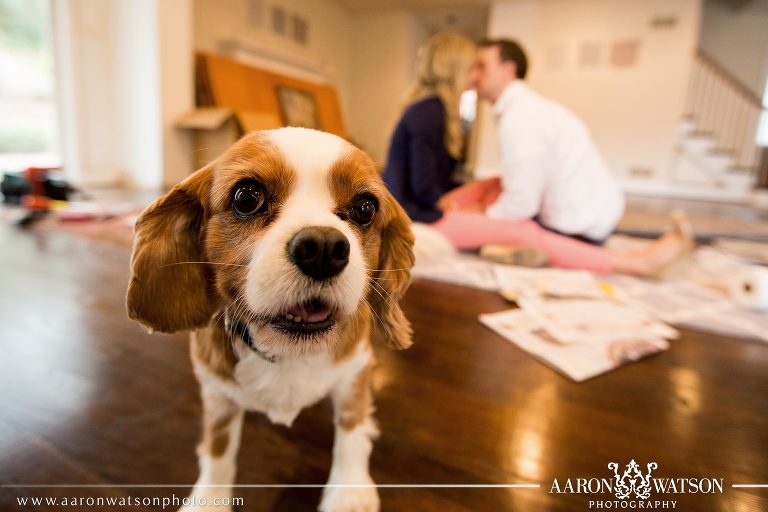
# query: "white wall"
{"type": "Point", "coordinates": [124, 72]}
{"type": "Point", "coordinates": [136, 76]}
{"type": "Point", "coordinates": [176, 79]}
{"type": "Point", "coordinates": [87, 89]}
{"type": "Point", "coordinates": [384, 58]}
{"type": "Point", "coordinates": [328, 48]}
{"type": "Point", "coordinates": [367, 56]}
{"type": "Point", "coordinates": [632, 112]}
{"type": "Point", "coordinates": [738, 40]}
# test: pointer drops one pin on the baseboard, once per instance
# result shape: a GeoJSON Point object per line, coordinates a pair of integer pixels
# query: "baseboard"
{"type": "Point", "coordinates": [679, 191]}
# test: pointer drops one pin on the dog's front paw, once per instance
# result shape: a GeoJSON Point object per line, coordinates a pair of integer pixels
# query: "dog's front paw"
{"type": "Point", "coordinates": [350, 499]}
{"type": "Point", "coordinates": [205, 508]}
{"type": "Point", "coordinates": [207, 500]}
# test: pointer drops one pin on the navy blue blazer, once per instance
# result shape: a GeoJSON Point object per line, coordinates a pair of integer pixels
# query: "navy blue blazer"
{"type": "Point", "coordinates": [419, 169]}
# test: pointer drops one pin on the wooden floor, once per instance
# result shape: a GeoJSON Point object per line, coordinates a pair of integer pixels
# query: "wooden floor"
{"type": "Point", "coordinates": [89, 398]}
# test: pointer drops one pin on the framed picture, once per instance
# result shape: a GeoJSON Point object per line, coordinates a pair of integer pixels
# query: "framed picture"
{"type": "Point", "coordinates": [297, 107]}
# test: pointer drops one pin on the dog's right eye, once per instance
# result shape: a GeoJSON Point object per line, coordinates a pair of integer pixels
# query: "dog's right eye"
{"type": "Point", "coordinates": [249, 200]}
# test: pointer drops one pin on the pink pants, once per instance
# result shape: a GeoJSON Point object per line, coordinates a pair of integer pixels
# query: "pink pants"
{"type": "Point", "coordinates": [471, 230]}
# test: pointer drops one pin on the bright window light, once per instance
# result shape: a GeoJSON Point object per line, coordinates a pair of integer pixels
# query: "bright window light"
{"type": "Point", "coordinates": [29, 123]}
{"type": "Point", "coordinates": [765, 94]}
{"type": "Point", "coordinates": [761, 139]}
{"type": "Point", "coordinates": [468, 105]}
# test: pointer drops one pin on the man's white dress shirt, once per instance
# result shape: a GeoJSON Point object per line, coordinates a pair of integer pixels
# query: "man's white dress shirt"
{"type": "Point", "coordinates": [551, 167]}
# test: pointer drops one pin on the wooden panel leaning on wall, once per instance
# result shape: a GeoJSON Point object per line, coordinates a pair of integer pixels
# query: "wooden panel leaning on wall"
{"type": "Point", "coordinates": [224, 82]}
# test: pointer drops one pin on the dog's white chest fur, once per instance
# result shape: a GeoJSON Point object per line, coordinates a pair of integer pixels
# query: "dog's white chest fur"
{"type": "Point", "coordinates": [283, 388]}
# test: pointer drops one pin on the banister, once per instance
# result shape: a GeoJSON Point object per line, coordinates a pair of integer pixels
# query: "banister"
{"type": "Point", "coordinates": [728, 77]}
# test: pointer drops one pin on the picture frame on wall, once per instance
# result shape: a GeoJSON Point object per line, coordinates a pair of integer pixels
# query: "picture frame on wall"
{"type": "Point", "coordinates": [297, 107]}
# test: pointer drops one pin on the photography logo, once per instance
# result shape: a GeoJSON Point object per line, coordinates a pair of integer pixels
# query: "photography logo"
{"type": "Point", "coordinates": [634, 487]}
{"type": "Point", "coordinates": [632, 482]}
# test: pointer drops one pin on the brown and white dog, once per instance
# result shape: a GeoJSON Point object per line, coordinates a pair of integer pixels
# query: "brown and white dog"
{"type": "Point", "coordinates": [286, 257]}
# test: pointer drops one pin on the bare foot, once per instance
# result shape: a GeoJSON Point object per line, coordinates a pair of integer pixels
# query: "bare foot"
{"type": "Point", "coordinates": [661, 254]}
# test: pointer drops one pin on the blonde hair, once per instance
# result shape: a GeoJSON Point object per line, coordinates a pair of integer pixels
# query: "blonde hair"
{"type": "Point", "coordinates": [441, 70]}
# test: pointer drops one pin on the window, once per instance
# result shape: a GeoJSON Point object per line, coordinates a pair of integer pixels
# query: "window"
{"type": "Point", "coordinates": [29, 123]}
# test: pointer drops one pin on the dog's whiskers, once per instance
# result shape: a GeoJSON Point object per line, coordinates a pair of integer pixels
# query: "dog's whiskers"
{"type": "Point", "coordinates": [373, 311]}
{"type": "Point", "coordinates": [384, 299]}
{"type": "Point", "coordinates": [377, 286]}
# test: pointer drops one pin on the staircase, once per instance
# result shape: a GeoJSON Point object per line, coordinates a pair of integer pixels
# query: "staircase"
{"type": "Point", "coordinates": [716, 156]}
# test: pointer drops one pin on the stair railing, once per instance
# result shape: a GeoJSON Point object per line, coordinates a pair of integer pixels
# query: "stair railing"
{"type": "Point", "coordinates": [723, 108]}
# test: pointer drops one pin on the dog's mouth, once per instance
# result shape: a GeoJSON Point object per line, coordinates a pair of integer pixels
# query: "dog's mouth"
{"type": "Point", "coordinates": [307, 318]}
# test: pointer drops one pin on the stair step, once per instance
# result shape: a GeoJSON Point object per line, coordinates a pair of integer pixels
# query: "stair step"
{"type": "Point", "coordinates": [699, 147]}
{"type": "Point", "coordinates": [740, 169]}
{"type": "Point", "coordinates": [722, 151]}
{"type": "Point", "coordinates": [685, 128]}
{"type": "Point", "coordinates": [702, 133]}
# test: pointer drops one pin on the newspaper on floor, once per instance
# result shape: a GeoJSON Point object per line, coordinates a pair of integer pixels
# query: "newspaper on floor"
{"type": "Point", "coordinates": [698, 298]}
{"type": "Point", "coordinates": [461, 270]}
{"type": "Point", "coordinates": [547, 282]}
{"type": "Point", "coordinates": [472, 271]}
{"type": "Point", "coordinates": [592, 356]}
{"type": "Point", "coordinates": [583, 322]}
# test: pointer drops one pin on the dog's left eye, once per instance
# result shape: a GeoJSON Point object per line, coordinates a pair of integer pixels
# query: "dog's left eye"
{"type": "Point", "coordinates": [363, 210]}
{"type": "Point", "coordinates": [249, 199]}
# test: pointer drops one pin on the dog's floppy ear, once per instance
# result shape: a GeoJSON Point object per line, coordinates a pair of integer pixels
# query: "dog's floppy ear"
{"type": "Point", "coordinates": [164, 293]}
{"type": "Point", "coordinates": [392, 277]}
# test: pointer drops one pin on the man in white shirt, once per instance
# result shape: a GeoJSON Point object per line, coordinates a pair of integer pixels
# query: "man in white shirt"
{"type": "Point", "coordinates": [551, 170]}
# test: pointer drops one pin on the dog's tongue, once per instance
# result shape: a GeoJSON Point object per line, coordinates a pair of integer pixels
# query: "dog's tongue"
{"type": "Point", "coordinates": [313, 312]}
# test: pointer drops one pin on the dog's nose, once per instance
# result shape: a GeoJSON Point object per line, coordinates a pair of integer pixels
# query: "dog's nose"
{"type": "Point", "coordinates": [320, 252]}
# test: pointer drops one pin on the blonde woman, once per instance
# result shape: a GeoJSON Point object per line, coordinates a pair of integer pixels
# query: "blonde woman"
{"type": "Point", "coordinates": [428, 142]}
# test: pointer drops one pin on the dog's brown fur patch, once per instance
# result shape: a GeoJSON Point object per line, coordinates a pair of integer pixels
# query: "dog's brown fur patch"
{"type": "Point", "coordinates": [216, 427]}
{"type": "Point", "coordinates": [212, 347]}
{"type": "Point", "coordinates": [352, 334]}
{"type": "Point", "coordinates": [220, 435]}
{"type": "Point", "coordinates": [358, 405]}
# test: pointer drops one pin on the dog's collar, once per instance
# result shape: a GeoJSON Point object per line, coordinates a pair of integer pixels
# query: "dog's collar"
{"type": "Point", "coordinates": [235, 326]}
